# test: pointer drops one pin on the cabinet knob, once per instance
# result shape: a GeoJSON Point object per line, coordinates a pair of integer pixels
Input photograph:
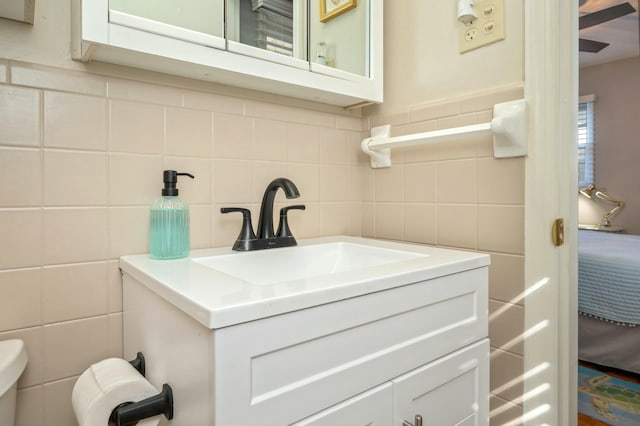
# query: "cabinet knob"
{"type": "Point", "coordinates": [418, 421]}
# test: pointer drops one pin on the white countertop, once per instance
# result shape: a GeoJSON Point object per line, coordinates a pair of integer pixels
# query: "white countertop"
{"type": "Point", "coordinates": [217, 300]}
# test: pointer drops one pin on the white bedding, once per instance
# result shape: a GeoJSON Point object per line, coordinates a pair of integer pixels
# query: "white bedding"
{"type": "Point", "coordinates": [609, 276]}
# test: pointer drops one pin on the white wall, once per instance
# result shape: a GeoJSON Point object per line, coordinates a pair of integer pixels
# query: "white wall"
{"type": "Point", "coordinates": [422, 63]}
{"type": "Point", "coordinates": [48, 41]}
{"type": "Point", "coordinates": [617, 147]}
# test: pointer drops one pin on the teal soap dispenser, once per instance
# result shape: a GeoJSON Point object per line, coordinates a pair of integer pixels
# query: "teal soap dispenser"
{"type": "Point", "coordinates": [169, 226]}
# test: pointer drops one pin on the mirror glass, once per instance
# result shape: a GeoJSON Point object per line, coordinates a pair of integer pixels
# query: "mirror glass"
{"type": "Point", "coordinates": [201, 16]}
{"type": "Point", "coordinates": [277, 26]}
{"type": "Point", "coordinates": [339, 34]}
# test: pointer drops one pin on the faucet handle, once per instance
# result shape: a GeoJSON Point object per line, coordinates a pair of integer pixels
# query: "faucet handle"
{"type": "Point", "coordinates": [246, 232]}
{"type": "Point", "coordinates": [285, 209]}
{"type": "Point", "coordinates": [283, 226]}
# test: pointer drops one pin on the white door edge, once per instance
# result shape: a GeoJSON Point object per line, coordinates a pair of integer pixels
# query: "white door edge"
{"type": "Point", "coordinates": [551, 90]}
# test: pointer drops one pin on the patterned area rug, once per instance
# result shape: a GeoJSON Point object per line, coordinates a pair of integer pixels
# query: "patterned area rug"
{"type": "Point", "coordinates": [608, 399]}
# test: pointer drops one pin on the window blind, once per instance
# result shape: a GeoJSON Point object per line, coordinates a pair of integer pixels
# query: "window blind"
{"type": "Point", "coordinates": [586, 159]}
{"type": "Point", "coordinates": [274, 30]}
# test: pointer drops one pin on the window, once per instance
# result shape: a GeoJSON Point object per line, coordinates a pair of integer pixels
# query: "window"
{"type": "Point", "coordinates": [586, 153]}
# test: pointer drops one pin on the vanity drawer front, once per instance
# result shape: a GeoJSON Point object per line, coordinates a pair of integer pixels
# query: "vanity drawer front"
{"type": "Point", "coordinates": [280, 369]}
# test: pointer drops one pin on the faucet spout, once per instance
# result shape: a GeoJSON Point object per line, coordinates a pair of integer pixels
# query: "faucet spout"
{"type": "Point", "coordinates": [265, 224]}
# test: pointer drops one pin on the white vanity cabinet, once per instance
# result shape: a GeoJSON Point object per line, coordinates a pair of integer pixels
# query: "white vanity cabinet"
{"type": "Point", "coordinates": [202, 40]}
{"type": "Point", "coordinates": [371, 408]}
{"type": "Point", "coordinates": [404, 344]}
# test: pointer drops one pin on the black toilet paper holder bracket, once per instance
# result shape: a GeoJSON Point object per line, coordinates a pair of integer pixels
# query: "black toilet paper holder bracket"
{"type": "Point", "coordinates": [139, 364]}
{"type": "Point", "coordinates": [130, 413]}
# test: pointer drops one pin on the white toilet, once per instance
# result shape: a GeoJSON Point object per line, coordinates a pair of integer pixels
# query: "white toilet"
{"type": "Point", "coordinates": [13, 360]}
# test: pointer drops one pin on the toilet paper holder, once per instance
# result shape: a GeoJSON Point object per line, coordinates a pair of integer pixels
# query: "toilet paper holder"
{"type": "Point", "coordinates": [130, 413]}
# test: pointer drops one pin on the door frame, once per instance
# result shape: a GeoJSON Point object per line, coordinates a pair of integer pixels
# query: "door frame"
{"type": "Point", "coordinates": [551, 90]}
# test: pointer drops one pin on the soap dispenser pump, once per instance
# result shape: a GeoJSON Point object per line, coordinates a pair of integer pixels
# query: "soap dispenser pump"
{"type": "Point", "coordinates": [169, 224]}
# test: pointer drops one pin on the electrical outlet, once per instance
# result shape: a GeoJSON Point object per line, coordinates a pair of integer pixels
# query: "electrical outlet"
{"type": "Point", "coordinates": [486, 29]}
{"type": "Point", "coordinates": [470, 34]}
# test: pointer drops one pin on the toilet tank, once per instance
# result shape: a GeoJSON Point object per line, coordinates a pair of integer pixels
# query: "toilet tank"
{"type": "Point", "coordinates": [13, 360]}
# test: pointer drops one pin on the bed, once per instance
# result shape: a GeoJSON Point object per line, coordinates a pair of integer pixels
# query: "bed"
{"type": "Point", "coordinates": [609, 299]}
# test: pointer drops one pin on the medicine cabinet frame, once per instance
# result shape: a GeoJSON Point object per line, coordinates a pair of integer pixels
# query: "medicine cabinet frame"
{"type": "Point", "coordinates": [99, 34]}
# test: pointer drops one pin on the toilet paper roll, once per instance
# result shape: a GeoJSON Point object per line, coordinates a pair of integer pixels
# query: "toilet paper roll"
{"type": "Point", "coordinates": [105, 385]}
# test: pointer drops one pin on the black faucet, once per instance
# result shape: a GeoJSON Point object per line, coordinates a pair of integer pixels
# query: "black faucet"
{"type": "Point", "coordinates": [266, 237]}
{"type": "Point", "coordinates": [265, 225]}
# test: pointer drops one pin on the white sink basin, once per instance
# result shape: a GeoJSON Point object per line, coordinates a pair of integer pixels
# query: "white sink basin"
{"type": "Point", "coordinates": [295, 263]}
{"type": "Point", "coordinates": [219, 287]}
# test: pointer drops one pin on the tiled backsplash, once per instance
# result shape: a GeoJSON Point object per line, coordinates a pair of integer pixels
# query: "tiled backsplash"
{"type": "Point", "coordinates": [81, 157]}
{"type": "Point", "coordinates": [457, 195]}
{"type": "Point", "coordinates": [81, 160]}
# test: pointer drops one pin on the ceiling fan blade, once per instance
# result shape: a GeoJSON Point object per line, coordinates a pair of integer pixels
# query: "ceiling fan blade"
{"type": "Point", "coordinates": [605, 15]}
{"type": "Point", "coordinates": [591, 46]}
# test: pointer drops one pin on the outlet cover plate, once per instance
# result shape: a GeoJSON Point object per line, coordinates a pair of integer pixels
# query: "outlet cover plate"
{"type": "Point", "coordinates": [486, 29]}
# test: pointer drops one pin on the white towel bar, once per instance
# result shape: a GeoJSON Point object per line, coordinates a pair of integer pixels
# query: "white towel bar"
{"type": "Point", "coordinates": [509, 129]}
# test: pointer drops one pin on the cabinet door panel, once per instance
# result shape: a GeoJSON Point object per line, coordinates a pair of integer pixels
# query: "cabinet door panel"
{"type": "Point", "coordinates": [202, 16]}
{"type": "Point", "coordinates": [339, 36]}
{"type": "Point", "coordinates": [469, 421]}
{"type": "Point", "coordinates": [453, 390]}
{"type": "Point", "coordinates": [371, 408]}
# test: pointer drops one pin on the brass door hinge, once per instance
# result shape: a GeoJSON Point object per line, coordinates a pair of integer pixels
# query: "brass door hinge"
{"type": "Point", "coordinates": [557, 232]}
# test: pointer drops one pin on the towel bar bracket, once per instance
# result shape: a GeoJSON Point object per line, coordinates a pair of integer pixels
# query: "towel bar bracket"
{"type": "Point", "coordinates": [508, 127]}
{"type": "Point", "coordinates": [380, 158]}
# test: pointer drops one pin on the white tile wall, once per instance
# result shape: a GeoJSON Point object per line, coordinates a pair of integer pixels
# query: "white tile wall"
{"type": "Point", "coordinates": [75, 178]}
{"type": "Point", "coordinates": [87, 282]}
{"type": "Point", "coordinates": [81, 158]}
{"type": "Point", "coordinates": [21, 231]}
{"type": "Point", "coordinates": [20, 112]}
{"type": "Point", "coordinates": [20, 287]}
{"type": "Point", "coordinates": [136, 127]}
{"type": "Point", "coordinates": [75, 235]}
{"type": "Point", "coordinates": [22, 165]}
{"type": "Point", "coordinates": [188, 132]}
{"type": "Point", "coordinates": [457, 195]}
{"type": "Point", "coordinates": [75, 121]}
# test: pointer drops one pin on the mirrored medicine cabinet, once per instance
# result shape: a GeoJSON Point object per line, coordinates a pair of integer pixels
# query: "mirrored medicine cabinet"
{"type": "Point", "coordinates": [328, 51]}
